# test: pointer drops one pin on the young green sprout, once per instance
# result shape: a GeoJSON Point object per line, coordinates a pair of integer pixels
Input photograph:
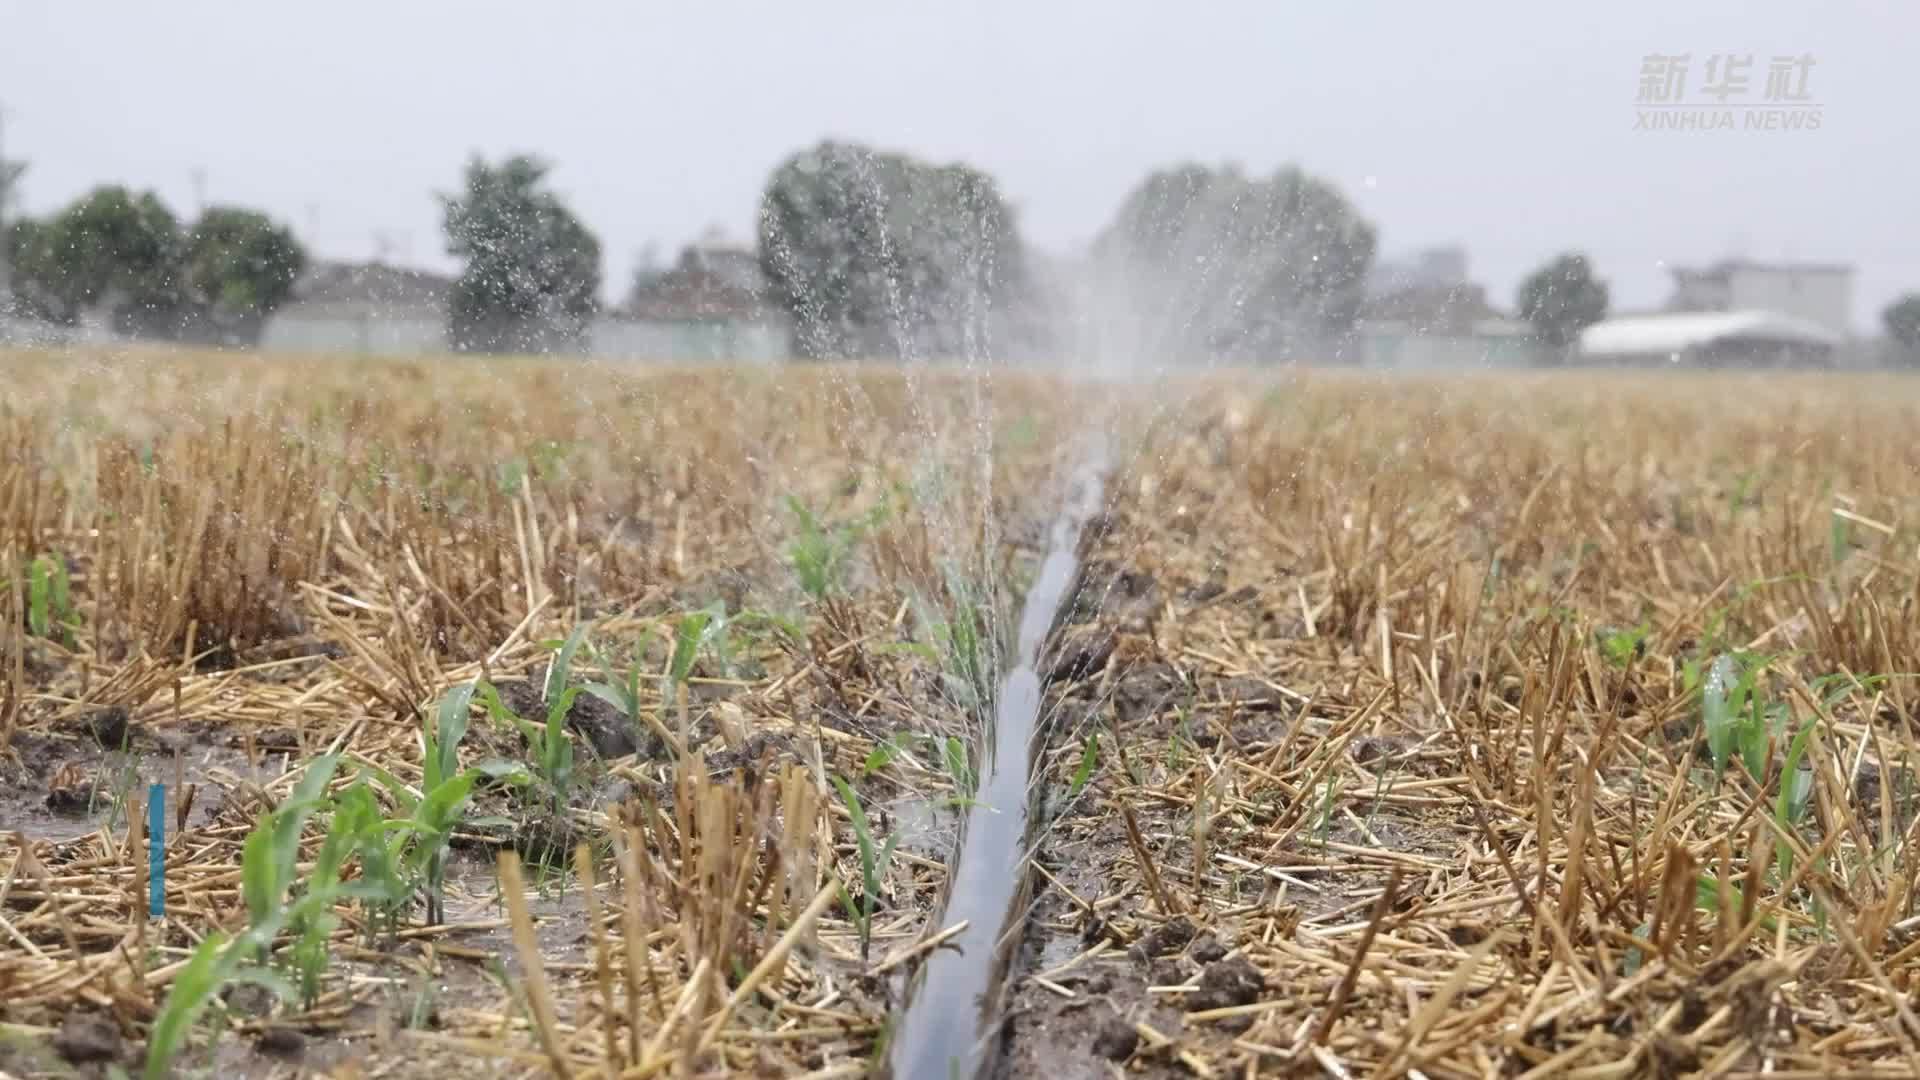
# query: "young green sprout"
{"type": "Point", "coordinates": [873, 867]}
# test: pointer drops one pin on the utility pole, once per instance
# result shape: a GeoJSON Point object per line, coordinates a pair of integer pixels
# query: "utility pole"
{"type": "Point", "coordinates": [6, 193]}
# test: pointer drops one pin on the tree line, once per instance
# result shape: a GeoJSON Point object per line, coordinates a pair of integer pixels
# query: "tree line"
{"type": "Point", "coordinates": [212, 280]}
{"type": "Point", "coordinates": [869, 253]}
{"type": "Point", "coordinates": [878, 254]}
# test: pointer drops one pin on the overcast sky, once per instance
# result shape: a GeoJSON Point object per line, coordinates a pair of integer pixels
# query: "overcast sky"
{"type": "Point", "coordinates": [1509, 130]}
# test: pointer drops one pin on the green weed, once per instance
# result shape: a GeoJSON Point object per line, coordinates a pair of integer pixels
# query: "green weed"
{"type": "Point", "coordinates": [1622, 647]}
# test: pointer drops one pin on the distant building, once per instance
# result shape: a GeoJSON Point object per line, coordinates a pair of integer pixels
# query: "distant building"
{"type": "Point", "coordinates": [709, 306]}
{"type": "Point", "coordinates": [17, 328]}
{"type": "Point", "coordinates": [712, 305]}
{"type": "Point", "coordinates": [1448, 310]}
{"type": "Point", "coordinates": [1437, 268]}
{"type": "Point", "coordinates": [1753, 339]}
{"type": "Point", "coordinates": [1423, 312]}
{"type": "Point", "coordinates": [368, 308]}
{"type": "Point", "coordinates": [1820, 293]}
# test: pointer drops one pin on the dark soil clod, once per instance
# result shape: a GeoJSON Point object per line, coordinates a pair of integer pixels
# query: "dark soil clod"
{"type": "Point", "coordinates": [68, 800]}
{"type": "Point", "coordinates": [1206, 949]}
{"type": "Point", "coordinates": [1205, 592]}
{"type": "Point", "coordinates": [546, 840]}
{"type": "Point", "coordinates": [1082, 658]}
{"type": "Point", "coordinates": [109, 727]}
{"type": "Point", "coordinates": [758, 747]}
{"type": "Point", "coordinates": [1250, 695]}
{"type": "Point", "coordinates": [281, 1042]}
{"type": "Point", "coordinates": [87, 1038]}
{"type": "Point", "coordinates": [1116, 1039]}
{"type": "Point", "coordinates": [1167, 971]}
{"type": "Point", "coordinates": [604, 728]}
{"type": "Point", "coordinates": [1170, 936]}
{"type": "Point", "coordinates": [1227, 983]}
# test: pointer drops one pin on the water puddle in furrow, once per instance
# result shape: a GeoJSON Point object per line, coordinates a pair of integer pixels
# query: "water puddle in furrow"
{"type": "Point", "coordinates": [953, 1003]}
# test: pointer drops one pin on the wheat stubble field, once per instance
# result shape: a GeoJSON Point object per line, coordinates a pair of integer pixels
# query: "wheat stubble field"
{"type": "Point", "coordinates": [550, 718]}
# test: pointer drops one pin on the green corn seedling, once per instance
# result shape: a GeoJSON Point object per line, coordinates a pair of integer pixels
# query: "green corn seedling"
{"type": "Point", "coordinates": [267, 873]}
{"type": "Point", "coordinates": [755, 622]}
{"type": "Point", "coordinates": [272, 849]}
{"type": "Point", "coordinates": [814, 554]}
{"type": "Point", "coordinates": [689, 635]}
{"type": "Point", "coordinates": [401, 857]}
{"type": "Point", "coordinates": [1790, 804]}
{"type": "Point", "coordinates": [1736, 717]}
{"type": "Point", "coordinates": [1089, 758]}
{"type": "Point", "coordinates": [873, 864]}
{"type": "Point", "coordinates": [693, 632]}
{"type": "Point", "coordinates": [552, 747]}
{"type": "Point", "coordinates": [217, 963]}
{"type": "Point", "coordinates": [818, 555]}
{"type": "Point", "coordinates": [883, 754]}
{"type": "Point", "coordinates": [623, 694]}
{"type": "Point", "coordinates": [49, 602]}
{"type": "Point", "coordinates": [380, 846]}
{"type": "Point", "coordinates": [1323, 826]}
{"type": "Point", "coordinates": [559, 671]}
{"type": "Point", "coordinates": [959, 767]}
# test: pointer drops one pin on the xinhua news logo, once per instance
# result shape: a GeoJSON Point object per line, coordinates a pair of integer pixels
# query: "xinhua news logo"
{"type": "Point", "coordinates": [1732, 93]}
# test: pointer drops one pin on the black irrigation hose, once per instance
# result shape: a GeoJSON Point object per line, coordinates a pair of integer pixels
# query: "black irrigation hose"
{"type": "Point", "coordinates": [947, 1028]}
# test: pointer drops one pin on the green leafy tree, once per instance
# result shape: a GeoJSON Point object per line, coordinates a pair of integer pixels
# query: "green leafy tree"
{"type": "Point", "coordinates": [51, 281]}
{"type": "Point", "coordinates": [109, 247]}
{"type": "Point", "coordinates": [532, 277]}
{"type": "Point", "coordinates": [10, 174]}
{"type": "Point", "coordinates": [1902, 320]}
{"type": "Point", "coordinates": [23, 239]}
{"type": "Point", "coordinates": [240, 266]}
{"type": "Point", "coordinates": [1212, 262]}
{"type": "Point", "coordinates": [1561, 299]}
{"type": "Point", "coordinates": [878, 254]}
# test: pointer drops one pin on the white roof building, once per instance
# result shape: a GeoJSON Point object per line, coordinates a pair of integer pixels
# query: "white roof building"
{"type": "Point", "coordinates": [1817, 292]}
{"type": "Point", "coordinates": [1713, 338]}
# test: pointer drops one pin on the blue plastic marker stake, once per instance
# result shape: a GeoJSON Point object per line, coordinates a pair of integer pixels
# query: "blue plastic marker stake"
{"type": "Point", "coordinates": [157, 850]}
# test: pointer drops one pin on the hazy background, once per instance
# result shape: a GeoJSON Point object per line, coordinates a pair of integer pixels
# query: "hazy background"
{"type": "Point", "coordinates": [1508, 130]}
